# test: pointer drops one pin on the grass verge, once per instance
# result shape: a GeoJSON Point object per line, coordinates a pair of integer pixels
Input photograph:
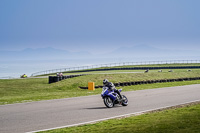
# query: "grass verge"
{"type": "Point", "coordinates": [25, 90]}
{"type": "Point", "coordinates": [177, 120]}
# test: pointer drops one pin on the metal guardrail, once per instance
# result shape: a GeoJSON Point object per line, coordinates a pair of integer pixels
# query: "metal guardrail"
{"type": "Point", "coordinates": [114, 65]}
{"type": "Point", "coordinates": [8, 77]}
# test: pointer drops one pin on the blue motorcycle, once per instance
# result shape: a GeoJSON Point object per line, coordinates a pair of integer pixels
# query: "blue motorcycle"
{"type": "Point", "coordinates": [111, 98]}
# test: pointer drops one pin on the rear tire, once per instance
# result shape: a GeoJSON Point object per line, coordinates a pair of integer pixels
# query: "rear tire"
{"type": "Point", "coordinates": [125, 100]}
{"type": "Point", "coordinates": [108, 102]}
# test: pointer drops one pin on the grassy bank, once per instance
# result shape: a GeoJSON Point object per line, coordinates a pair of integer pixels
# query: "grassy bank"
{"type": "Point", "coordinates": [127, 66]}
{"type": "Point", "coordinates": [179, 120]}
{"type": "Point", "coordinates": [23, 90]}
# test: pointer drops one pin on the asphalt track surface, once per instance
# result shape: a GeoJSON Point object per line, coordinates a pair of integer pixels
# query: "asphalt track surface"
{"type": "Point", "coordinates": [42, 115]}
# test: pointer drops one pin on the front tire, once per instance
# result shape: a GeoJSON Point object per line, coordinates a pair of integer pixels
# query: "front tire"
{"type": "Point", "coordinates": [108, 102]}
{"type": "Point", "coordinates": [125, 100]}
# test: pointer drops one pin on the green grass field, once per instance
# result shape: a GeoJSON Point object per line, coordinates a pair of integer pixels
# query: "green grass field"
{"type": "Point", "coordinates": [25, 90]}
{"type": "Point", "coordinates": [178, 120]}
{"type": "Point", "coordinates": [127, 66]}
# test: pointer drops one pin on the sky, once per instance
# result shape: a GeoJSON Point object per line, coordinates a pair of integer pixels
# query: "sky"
{"type": "Point", "coordinates": [99, 26]}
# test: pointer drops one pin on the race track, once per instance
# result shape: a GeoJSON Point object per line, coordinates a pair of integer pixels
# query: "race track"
{"type": "Point", "coordinates": [35, 116]}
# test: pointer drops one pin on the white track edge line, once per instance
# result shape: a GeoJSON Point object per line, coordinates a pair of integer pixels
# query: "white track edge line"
{"type": "Point", "coordinates": [136, 113]}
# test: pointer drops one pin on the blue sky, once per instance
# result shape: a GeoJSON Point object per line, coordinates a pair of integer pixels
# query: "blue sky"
{"type": "Point", "coordinates": [99, 25]}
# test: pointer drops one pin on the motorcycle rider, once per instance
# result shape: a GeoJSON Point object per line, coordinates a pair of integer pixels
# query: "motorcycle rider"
{"type": "Point", "coordinates": [111, 87]}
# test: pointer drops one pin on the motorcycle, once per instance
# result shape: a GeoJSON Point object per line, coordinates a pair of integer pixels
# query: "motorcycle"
{"type": "Point", "coordinates": [111, 98]}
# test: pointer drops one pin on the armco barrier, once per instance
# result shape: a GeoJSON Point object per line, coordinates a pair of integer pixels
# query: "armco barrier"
{"type": "Point", "coordinates": [139, 68]}
{"type": "Point", "coordinates": [147, 82]}
{"type": "Point", "coordinates": [109, 66]}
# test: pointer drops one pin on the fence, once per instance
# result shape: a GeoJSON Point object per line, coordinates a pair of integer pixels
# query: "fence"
{"type": "Point", "coordinates": [115, 65]}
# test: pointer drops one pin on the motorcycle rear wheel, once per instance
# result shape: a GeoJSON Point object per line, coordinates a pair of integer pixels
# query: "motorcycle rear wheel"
{"type": "Point", "coordinates": [108, 102]}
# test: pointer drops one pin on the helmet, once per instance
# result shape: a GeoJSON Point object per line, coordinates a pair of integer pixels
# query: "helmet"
{"type": "Point", "coordinates": [105, 81]}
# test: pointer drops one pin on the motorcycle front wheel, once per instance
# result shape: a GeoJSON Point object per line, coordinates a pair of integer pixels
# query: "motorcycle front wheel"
{"type": "Point", "coordinates": [108, 102]}
{"type": "Point", "coordinates": [124, 100]}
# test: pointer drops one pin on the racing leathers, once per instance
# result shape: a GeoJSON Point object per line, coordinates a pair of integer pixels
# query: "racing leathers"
{"type": "Point", "coordinates": [111, 87]}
